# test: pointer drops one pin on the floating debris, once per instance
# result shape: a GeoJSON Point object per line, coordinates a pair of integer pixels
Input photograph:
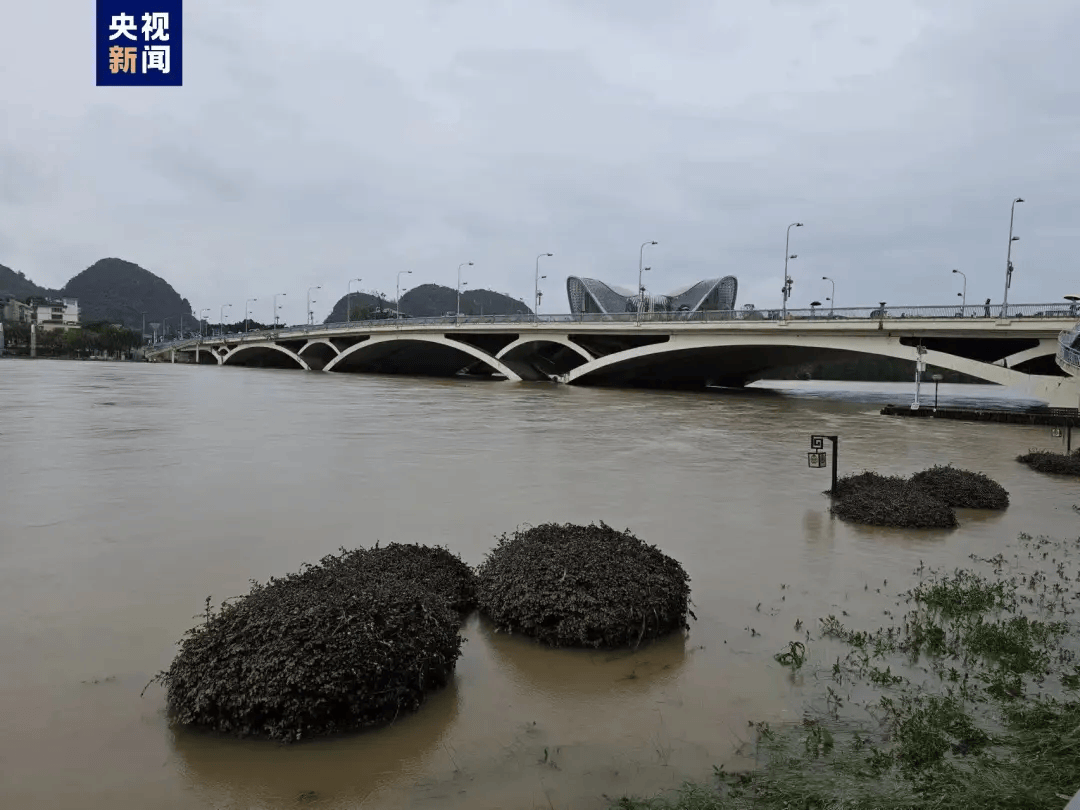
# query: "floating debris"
{"type": "Point", "coordinates": [879, 500]}
{"type": "Point", "coordinates": [962, 488]}
{"type": "Point", "coordinates": [352, 642]}
{"type": "Point", "coordinates": [583, 586]}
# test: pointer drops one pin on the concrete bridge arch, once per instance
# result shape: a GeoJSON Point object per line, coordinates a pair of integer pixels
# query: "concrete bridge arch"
{"type": "Point", "coordinates": [260, 354]}
{"type": "Point", "coordinates": [395, 353]}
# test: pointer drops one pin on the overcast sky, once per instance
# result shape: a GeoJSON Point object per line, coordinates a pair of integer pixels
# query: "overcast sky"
{"type": "Point", "coordinates": [318, 142]}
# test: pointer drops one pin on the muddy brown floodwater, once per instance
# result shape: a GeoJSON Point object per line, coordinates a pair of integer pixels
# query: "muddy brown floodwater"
{"type": "Point", "coordinates": [130, 492]}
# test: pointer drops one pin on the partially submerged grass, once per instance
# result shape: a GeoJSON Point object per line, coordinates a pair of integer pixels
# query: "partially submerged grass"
{"type": "Point", "coordinates": [1055, 463]}
{"type": "Point", "coordinates": [969, 700]}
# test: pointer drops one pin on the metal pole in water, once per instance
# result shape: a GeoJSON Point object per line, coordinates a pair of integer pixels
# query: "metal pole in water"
{"type": "Point", "coordinates": [835, 452]}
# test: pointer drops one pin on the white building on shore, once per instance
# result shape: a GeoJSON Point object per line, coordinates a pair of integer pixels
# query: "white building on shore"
{"type": "Point", "coordinates": [62, 314]}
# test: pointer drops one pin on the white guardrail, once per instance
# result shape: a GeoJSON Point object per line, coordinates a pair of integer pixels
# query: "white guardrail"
{"type": "Point", "coordinates": [983, 312]}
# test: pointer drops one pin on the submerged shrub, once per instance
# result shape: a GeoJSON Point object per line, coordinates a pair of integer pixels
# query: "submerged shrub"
{"type": "Point", "coordinates": [1046, 462]}
{"type": "Point", "coordinates": [583, 586]}
{"type": "Point", "coordinates": [334, 648]}
{"type": "Point", "coordinates": [879, 500]}
{"type": "Point", "coordinates": [436, 569]}
{"type": "Point", "coordinates": [962, 488]}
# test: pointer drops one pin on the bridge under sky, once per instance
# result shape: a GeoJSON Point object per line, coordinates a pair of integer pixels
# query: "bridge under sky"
{"type": "Point", "coordinates": [666, 349]}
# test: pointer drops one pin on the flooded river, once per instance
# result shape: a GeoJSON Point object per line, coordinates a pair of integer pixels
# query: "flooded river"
{"type": "Point", "coordinates": [131, 492]}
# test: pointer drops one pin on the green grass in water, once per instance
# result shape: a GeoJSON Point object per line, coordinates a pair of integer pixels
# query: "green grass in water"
{"type": "Point", "coordinates": [969, 701]}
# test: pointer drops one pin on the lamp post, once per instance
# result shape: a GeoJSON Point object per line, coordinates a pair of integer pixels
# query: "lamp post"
{"type": "Point", "coordinates": [181, 326]}
{"type": "Point", "coordinates": [832, 299]}
{"type": "Point", "coordinates": [640, 271]}
{"type": "Point", "coordinates": [221, 322]}
{"type": "Point", "coordinates": [397, 295]}
{"type": "Point", "coordinates": [276, 308]}
{"type": "Point", "coordinates": [310, 314]}
{"type": "Point", "coordinates": [1008, 257]}
{"type": "Point", "coordinates": [457, 310]}
{"type": "Point", "coordinates": [536, 288]}
{"type": "Point", "coordinates": [247, 312]}
{"type": "Point", "coordinates": [348, 303]}
{"type": "Point", "coordinates": [164, 323]}
{"type": "Point", "coordinates": [786, 289]}
{"type": "Point", "coordinates": [963, 295]}
{"type": "Point", "coordinates": [202, 318]}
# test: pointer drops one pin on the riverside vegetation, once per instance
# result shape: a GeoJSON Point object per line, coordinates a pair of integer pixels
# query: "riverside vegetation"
{"type": "Point", "coordinates": [365, 635]}
{"type": "Point", "coordinates": [923, 501]}
{"type": "Point", "coordinates": [970, 699]}
{"type": "Point", "coordinates": [1055, 463]}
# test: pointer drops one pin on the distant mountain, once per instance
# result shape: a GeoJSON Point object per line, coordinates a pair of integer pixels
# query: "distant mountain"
{"type": "Point", "coordinates": [360, 301]}
{"type": "Point", "coordinates": [120, 291]}
{"type": "Point", "coordinates": [20, 286]}
{"type": "Point", "coordinates": [432, 300]}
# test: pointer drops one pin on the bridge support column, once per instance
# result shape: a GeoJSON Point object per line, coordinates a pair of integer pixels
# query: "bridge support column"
{"type": "Point", "coordinates": [172, 355]}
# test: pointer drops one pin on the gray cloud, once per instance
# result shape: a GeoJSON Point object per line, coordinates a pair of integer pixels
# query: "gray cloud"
{"type": "Point", "coordinates": [313, 147]}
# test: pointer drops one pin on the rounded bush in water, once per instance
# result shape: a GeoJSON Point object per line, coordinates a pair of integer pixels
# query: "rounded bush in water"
{"type": "Point", "coordinates": [435, 568]}
{"type": "Point", "coordinates": [878, 500]}
{"type": "Point", "coordinates": [334, 648]}
{"type": "Point", "coordinates": [1055, 463]}
{"type": "Point", "coordinates": [962, 488]}
{"type": "Point", "coordinates": [583, 586]}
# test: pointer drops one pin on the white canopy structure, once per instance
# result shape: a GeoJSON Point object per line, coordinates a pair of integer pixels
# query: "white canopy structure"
{"type": "Point", "coordinates": [592, 296]}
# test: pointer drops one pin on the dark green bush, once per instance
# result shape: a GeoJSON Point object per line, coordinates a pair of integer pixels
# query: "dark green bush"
{"type": "Point", "coordinates": [1057, 463]}
{"type": "Point", "coordinates": [878, 500]}
{"type": "Point", "coordinates": [583, 586]}
{"type": "Point", "coordinates": [962, 488]}
{"type": "Point", "coordinates": [337, 647]}
{"type": "Point", "coordinates": [431, 567]}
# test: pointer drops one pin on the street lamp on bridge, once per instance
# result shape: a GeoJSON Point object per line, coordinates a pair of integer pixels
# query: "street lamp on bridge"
{"type": "Point", "coordinates": [457, 310]}
{"type": "Point", "coordinates": [247, 312]}
{"type": "Point", "coordinates": [310, 314]}
{"type": "Point", "coordinates": [1008, 257]}
{"type": "Point", "coordinates": [640, 272]}
{"type": "Point", "coordinates": [276, 308]}
{"type": "Point", "coordinates": [536, 288]}
{"type": "Point", "coordinates": [202, 318]}
{"type": "Point", "coordinates": [222, 319]}
{"type": "Point", "coordinates": [348, 300]}
{"type": "Point", "coordinates": [963, 295]}
{"type": "Point", "coordinates": [397, 294]}
{"type": "Point", "coordinates": [164, 323]}
{"type": "Point", "coordinates": [832, 298]}
{"type": "Point", "coordinates": [786, 289]}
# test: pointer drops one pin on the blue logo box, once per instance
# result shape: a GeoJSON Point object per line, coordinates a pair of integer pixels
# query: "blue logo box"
{"type": "Point", "coordinates": [140, 43]}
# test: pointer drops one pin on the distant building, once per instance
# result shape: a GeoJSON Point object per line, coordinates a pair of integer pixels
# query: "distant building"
{"type": "Point", "coordinates": [62, 314]}
{"type": "Point", "coordinates": [12, 310]}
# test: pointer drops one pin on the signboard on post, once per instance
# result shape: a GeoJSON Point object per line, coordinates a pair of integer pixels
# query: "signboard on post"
{"type": "Point", "coordinates": [817, 455]}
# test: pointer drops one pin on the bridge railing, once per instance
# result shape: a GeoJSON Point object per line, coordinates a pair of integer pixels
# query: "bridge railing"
{"type": "Point", "coordinates": [1067, 352]}
{"type": "Point", "coordinates": [948, 312]}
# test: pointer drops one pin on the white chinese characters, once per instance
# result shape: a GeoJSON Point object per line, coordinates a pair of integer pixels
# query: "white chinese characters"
{"type": "Point", "coordinates": [123, 25]}
{"type": "Point", "coordinates": [155, 28]}
{"type": "Point", "coordinates": [155, 57]}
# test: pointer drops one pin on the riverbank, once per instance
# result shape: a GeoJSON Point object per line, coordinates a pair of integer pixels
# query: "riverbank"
{"type": "Point", "coordinates": [966, 698]}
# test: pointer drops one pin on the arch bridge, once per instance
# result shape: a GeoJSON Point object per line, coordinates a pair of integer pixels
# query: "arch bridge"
{"type": "Point", "coordinates": [665, 349]}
